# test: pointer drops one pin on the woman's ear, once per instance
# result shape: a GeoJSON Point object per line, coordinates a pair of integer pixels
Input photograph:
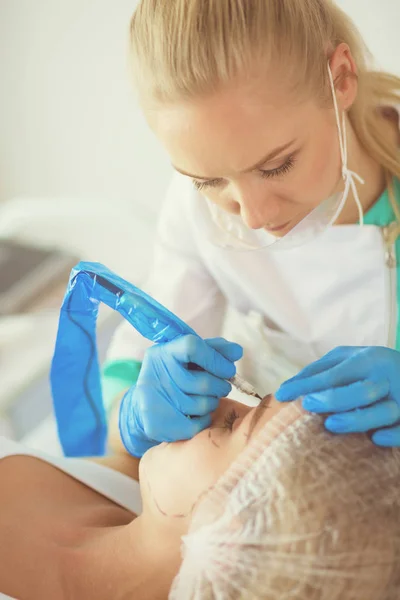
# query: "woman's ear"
{"type": "Point", "coordinates": [344, 73]}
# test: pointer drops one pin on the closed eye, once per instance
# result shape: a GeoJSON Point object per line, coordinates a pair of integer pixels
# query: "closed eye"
{"type": "Point", "coordinates": [282, 170]}
{"type": "Point", "coordinates": [230, 419]}
{"type": "Point", "coordinates": [265, 174]}
{"type": "Point", "coordinates": [209, 183]}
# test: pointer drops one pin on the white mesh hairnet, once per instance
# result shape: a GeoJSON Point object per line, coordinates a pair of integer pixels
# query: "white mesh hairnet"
{"type": "Point", "coordinates": [301, 514]}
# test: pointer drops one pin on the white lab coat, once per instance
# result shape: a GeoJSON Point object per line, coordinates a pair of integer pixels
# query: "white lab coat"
{"type": "Point", "coordinates": [287, 308]}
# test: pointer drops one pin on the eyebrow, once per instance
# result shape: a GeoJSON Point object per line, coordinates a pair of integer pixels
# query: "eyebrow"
{"type": "Point", "coordinates": [270, 156]}
{"type": "Point", "coordinates": [264, 404]}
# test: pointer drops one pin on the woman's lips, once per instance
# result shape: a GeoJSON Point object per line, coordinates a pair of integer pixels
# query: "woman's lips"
{"type": "Point", "coordinates": [278, 227]}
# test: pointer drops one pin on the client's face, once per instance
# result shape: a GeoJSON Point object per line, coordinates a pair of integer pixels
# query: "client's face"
{"type": "Point", "coordinates": [175, 476]}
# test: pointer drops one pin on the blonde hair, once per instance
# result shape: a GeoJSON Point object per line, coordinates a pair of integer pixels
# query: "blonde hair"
{"type": "Point", "coordinates": [301, 514]}
{"type": "Point", "coordinates": [183, 48]}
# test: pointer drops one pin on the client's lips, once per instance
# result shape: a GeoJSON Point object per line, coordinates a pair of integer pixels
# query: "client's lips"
{"type": "Point", "coordinates": [278, 227]}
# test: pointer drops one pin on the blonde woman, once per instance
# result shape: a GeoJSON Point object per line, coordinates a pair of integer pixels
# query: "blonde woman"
{"type": "Point", "coordinates": [284, 208]}
{"type": "Point", "coordinates": [269, 505]}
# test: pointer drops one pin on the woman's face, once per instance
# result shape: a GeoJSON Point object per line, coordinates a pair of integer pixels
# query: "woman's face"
{"type": "Point", "coordinates": [175, 476]}
{"type": "Point", "coordinates": [255, 150]}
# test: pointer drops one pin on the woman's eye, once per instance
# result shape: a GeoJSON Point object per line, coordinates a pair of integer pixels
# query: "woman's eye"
{"type": "Point", "coordinates": [202, 185]}
{"type": "Point", "coordinates": [279, 171]}
{"type": "Point", "coordinates": [282, 170]}
{"type": "Point", "coordinates": [230, 418]}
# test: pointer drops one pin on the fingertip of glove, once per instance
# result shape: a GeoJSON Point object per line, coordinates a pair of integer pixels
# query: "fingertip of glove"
{"type": "Point", "coordinates": [338, 424]}
{"type": "Point", "coordinates": [283, 395]}
{"type": "Point", "coordinates": [198, 424]}
{"type": "Point", "coordinates": [237, 351]}
{"type": "Point", "coordinates": [386, 439]}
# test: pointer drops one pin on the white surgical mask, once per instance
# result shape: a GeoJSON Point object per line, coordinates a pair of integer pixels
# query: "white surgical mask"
{"type": "Point", "coordinates": [229, 231]}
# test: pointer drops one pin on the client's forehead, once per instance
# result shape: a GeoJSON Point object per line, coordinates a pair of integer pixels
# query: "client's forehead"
{"type": "Point", "coordinates": [282, 415]}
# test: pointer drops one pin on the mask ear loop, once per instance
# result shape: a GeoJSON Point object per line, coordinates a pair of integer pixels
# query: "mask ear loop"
{"type": "Point", "coordinates": [347, 175]}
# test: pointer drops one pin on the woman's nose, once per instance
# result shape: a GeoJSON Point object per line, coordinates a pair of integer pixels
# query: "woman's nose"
{"type": "Point", "coordinates": [252, 217]}
{"type": "Point", "coordinates": [258, 208]}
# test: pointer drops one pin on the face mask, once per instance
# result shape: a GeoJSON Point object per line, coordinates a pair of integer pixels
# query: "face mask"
{"type": "Point", "coordinates": [229, 231]}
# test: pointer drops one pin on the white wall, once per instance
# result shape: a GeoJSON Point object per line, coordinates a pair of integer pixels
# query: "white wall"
{"type": "Point", "coordinates": [379, 22]}
{"type": "Point", "coordinates": [68, 122]}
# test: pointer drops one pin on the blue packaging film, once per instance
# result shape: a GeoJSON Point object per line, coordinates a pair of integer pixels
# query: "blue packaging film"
{"type": "Point", "coordinates": [75, 371]}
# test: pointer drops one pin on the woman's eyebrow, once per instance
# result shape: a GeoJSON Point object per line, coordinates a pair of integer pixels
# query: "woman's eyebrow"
{"type": "Point", "coordinates": [264, 404]}
{"type": "Point", "coordinates": [270, 156]}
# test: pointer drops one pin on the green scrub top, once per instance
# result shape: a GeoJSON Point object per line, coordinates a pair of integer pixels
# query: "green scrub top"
{"type": "Point", "coordinates": [382, 214]}
{"type": "Point", "coordinates": [119, 375]}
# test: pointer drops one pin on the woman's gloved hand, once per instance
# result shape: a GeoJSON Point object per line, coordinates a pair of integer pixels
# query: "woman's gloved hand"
{"type": "Point", "coordinates": [172, 400]}
{"type": "Point", "coordinates": [361, 384]}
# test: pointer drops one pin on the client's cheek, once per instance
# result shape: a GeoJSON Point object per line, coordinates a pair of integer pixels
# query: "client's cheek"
{"type": "Point", "coordinates": [176, 475]}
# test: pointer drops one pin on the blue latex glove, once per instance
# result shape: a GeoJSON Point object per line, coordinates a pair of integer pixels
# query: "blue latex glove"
{"type": "Point", "coordinates": [362, 384]}
{"type": "Point", "coordinates": [169, 391]}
